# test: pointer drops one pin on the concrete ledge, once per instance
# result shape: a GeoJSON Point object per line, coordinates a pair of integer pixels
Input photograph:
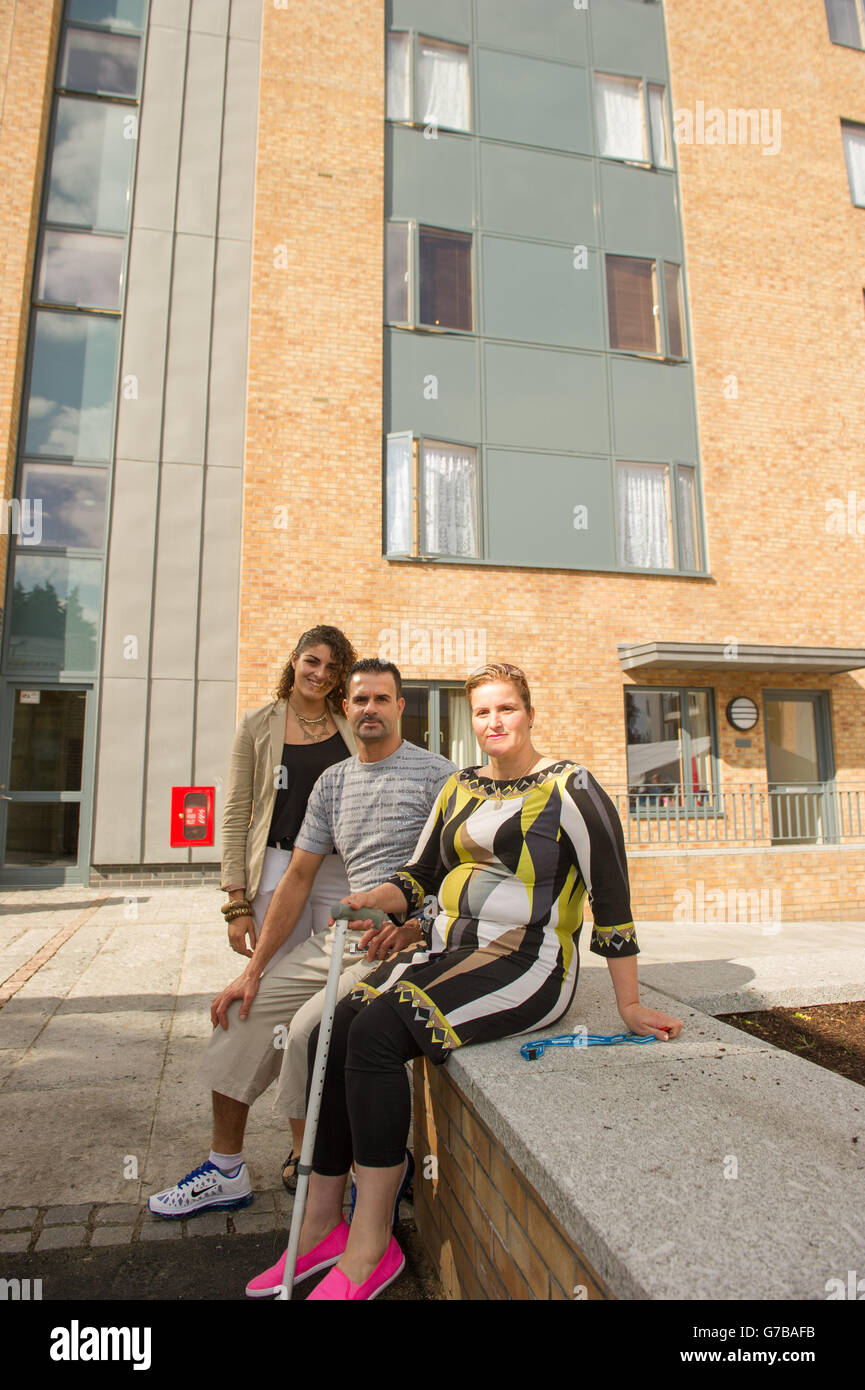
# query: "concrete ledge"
{"type": "Point", "coordinates": [712, 1167]}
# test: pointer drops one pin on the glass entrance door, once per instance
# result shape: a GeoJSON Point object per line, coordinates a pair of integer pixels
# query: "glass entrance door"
{"type": "Point", "coordinates": [43, 789]}
{"type": "Point", "coordinates": [438, 717]}
{"type": "Point", "coordinates": [799, 767]}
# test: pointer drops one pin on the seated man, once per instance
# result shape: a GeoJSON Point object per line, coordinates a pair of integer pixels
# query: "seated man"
{"type": "Point", "coordinates": [371, 808]}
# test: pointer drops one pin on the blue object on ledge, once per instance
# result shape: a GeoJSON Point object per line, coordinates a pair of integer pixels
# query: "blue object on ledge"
{"type": "Point", "coordinates": [532, 1050]}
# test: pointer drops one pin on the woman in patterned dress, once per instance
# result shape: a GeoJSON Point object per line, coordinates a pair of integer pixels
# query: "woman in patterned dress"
{"type": "Point", "coordinates": [510, 852]}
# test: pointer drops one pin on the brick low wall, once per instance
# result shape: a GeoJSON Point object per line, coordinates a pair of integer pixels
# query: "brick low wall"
{"type": "Point", "coordinates": [487, 1231]}
{"type": "Point", "coordinates": [792, 885]}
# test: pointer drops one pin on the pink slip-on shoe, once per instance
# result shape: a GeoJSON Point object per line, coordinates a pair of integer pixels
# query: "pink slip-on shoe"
{"type": "Point", "coordinates": [321, 1256]}
{"type": "Point", "coordinates": [336, 1288]}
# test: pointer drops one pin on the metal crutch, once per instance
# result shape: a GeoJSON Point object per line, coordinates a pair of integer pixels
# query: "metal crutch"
{"type": "Point", "coordinates": [342, 914]}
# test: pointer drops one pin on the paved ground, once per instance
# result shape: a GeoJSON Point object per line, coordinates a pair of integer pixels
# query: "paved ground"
{"type": "Point", "coordinates": [104, 1014]}
{"type": "Point", "coordinates": [99, 1050]}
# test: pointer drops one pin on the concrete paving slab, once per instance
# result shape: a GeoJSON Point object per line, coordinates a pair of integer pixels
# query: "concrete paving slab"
{"type": "Point", "coordinates": [762, 982]}
{"type": "Point", "coordinates": [68, 1215]}
{"type": "Point", "coordinates": [73, 1144]}
{"type": "Point", "coordinates": [61, 1238]}
{"type": "Point", "coordinates": [17, 1218]}
{"type": "Point", "coordinates": [112, 1235]}
{"type": "Point", "coordinates": [17, 946]}
{"type": "Point", "coordinates": [94, 1050]}
{"type": "Point", "coordinates": [15, 1243]}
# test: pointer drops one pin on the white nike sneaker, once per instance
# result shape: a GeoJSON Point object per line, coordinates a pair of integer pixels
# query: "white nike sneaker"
{"type": "Point", "coordinates": [204, 1189]}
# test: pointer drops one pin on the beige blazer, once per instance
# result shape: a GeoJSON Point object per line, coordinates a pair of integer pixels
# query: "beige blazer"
{"type": "Point", "coordinates": [250, 793]}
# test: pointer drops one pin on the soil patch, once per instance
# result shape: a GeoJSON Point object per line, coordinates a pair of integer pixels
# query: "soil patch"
{"type": "Point", "coordinates": [832, 1035]}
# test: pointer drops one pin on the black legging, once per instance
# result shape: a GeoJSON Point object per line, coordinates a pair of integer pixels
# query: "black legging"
{"type": "Point", "coordinates": [366, 1103]}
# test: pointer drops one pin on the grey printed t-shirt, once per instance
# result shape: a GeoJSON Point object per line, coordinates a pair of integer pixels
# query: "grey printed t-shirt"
{"type": "Point", "coordinates": [373, 813]}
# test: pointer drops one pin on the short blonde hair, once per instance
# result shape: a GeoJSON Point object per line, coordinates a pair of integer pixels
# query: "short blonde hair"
{"type": "Point", "coordinates": [499, 671]}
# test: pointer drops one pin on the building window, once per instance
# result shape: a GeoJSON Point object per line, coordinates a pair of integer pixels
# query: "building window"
{"type": "Point", "coordinates": [671, 748]}
{"type": "Point", "coordinates": [632, 118]}
{"type": "Point", "coordinates": [54, 624]}
{"type": "Point", "coordinates": [99, 62]}
{"type": "Point", "coordinates": [427, 81]}
{"type": "Point", "coordinates": [80, 269]}
{"type": "Point", "coordinates": [640, 319]}
{"type": "Point", "coordinates": [845, 22]}
{"type": "Point", "coordinates": [442, 297]}
{"type": "Point", "coordinates": [439, 717]}
{"type": "Point", "coordinates": [90, 179]}
{"type": "Point", "coordinates": [70, 405]}
{"type": "Point", "coordinates": [445, 260]}
{"type": "Point", "coordinates": [854, 153]}
{"type": "Point", "coordinates": [655, 532]}
{"type": "Point", "coordinates": [431, 492]}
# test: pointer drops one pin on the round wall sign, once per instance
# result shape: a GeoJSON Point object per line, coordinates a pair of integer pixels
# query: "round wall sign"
{"type": "Point", "coordinates": [742, 713]}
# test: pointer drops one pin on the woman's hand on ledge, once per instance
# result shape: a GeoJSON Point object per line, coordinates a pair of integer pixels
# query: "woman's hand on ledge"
{"type": "Point", "coordinates": [644, 1021]}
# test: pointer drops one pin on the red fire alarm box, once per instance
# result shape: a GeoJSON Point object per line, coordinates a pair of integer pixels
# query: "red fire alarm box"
{"type": "Point", "coordinates": [191, 816]}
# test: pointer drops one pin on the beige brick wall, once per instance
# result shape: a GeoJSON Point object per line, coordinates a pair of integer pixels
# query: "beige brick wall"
{"type": "Point", "coordinates": [776, 262]}
{"type": "Point", "coordinates": [28, 40]}
{"type": "Point", "coordinates": [488, 1233]}
{"type": "Point", "coordinates": [786, 885]}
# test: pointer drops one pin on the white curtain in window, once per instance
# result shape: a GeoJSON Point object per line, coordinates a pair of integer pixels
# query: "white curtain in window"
{"type": "Point", "coordinates": [619, 108]}
{"type": "Point", "coordinates": [854, 149]}
{"type": "Point", "coordinates": [443, 84]}
{"type": "Point", "coordinates": [644, 515]}
{"type": "Point", "coordinates": [464, 749]}
{"type": "Point", "coordinates": [398, 87]}
{"type": "Point", "coordinates": [398, 490]}
{"type": "Point", "coordinates": [689, 548]}
{"type": "Point", "coordinates": [450, 500]}
{"type": "Point", "coordinates": [658, 118]}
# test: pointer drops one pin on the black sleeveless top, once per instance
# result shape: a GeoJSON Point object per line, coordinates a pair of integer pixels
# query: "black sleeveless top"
{"type": "Point", "coordinates": [302, 765]}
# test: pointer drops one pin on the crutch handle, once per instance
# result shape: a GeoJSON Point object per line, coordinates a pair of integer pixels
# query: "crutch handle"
{"type": "Point", "coordinates": [358, 914]}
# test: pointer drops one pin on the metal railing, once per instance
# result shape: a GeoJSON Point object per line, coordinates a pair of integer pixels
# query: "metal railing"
{"type": "Point", "coordinates": [818, 813]}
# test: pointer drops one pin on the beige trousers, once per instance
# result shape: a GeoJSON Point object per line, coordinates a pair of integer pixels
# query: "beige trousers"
{"type": "Point", "coordinates": [242, 1060]}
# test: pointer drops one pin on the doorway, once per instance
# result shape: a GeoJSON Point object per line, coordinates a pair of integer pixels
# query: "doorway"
{"type": "Point", "coordinates": [44, 828]}
{"type": "Point", "coordinates": [799, 766]}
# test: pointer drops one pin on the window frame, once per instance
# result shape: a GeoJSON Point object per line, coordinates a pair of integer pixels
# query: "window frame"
{"type": "Point", "coordinates": [660, 308]}
{"type": "Point", "coordinates": [859, 127]}
{"type": "Point", "coordinates": [418, 440]}
{"type": "Point", "coordinates": [676, 568]}
{"type": "Point", "coordinates": [433, 690]}
{"type": "Point", "coordinates": [415, 36]}
{"type": "Point", "coordinates": [99, 93]}
{"type": "Point", "coordinates": [45, 231]}
{"type": "Point", "coordinates": [415, 225]}
{"type": "Point", "coordinates": [645, 83]}
{"type": "Point", "coordinates": [860, 17]}
{"type": "Point", "coordinates": [637, 801]}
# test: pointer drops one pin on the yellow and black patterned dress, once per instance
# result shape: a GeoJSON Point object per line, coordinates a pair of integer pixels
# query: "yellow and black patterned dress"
{"type": "Point", "coordinates": [510, 865]}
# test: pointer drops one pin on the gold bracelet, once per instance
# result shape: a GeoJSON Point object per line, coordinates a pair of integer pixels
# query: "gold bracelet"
{"type": "Point", "coordinates": [239, 908]}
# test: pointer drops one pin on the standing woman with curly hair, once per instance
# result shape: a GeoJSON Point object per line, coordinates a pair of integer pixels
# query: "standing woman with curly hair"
{"type": "Point", "coordinates": [279, 752]}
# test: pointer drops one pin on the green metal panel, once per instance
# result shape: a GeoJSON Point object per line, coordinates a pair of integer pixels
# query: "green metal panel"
{"type": "Point", "coordinates": [628, 37]}
{"type": "Point", "coordinates": [532, 193]}
{"type": "Point", "coordinates": [540, 399]}
{"type": "Point", "coordinates": [430, 180]}
{"type": "Point", "coordinates": [539, 293]}
{"type": "Point", "coordinates": [568, 525]}
{"type": "Point", "coordinates": [653, 411]}
{"type": "Point", "coordinates": [446, 19]}
{"type": "Point", "coordinates": [431, 385]}
{"type": "Point", "coordinates": [545, 28]}
{"type": "Point", "coordinates": [533, 102]}
{"type": "Point", "coordinates": [639, 216]}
